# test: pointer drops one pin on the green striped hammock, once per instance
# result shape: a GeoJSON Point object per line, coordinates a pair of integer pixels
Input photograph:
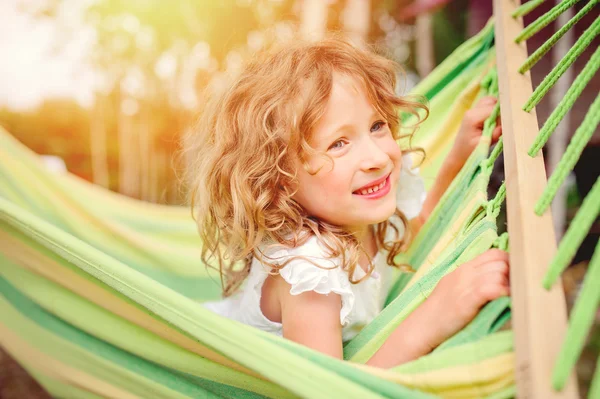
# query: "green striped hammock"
{"type": "Point", "coordinates": [100, 293]}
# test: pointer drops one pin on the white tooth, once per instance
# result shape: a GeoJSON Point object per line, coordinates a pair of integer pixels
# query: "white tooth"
{"type": "Point", "coordinates": [363, 192]}
{"type": "Point", "coordinates": [370, 190]}
{"type": "Point", "coordinates": [381, 185]}
{"type": "Point", "coordinates": [376, 189]}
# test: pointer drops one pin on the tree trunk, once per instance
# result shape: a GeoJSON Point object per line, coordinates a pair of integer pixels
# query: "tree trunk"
{"type": "Point", "coordinates": [357, 20]}
{"type": "Point", "coordinates": [99, 156]}
{"type": "Point", "coordinates": [145, 139]}
{"type": "Point", "coordinates": [425, 54]}
{"type": "Point", "coordinates": [313, 19]}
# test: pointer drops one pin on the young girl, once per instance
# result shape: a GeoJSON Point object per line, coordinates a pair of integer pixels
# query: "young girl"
{"type": "Point", "coordinates": [302, 193]}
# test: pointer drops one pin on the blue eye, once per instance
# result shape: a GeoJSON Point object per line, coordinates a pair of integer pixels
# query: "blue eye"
{"type": "Point", "coordinates": [377, 126]}
{"type": "Point", "coordinates": [337, 145]}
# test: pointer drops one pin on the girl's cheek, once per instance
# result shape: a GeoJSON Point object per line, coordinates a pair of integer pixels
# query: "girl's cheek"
{"type": "Point", "coordinates": [331, 185]}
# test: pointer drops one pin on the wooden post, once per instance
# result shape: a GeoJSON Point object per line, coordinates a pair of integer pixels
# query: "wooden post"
{"type": "Point", "coordinates": [539, 316]}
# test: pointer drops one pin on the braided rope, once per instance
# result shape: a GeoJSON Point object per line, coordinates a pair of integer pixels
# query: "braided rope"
{"type": "Point", "coordinates": [595, 386]}
{"type": "Point", "coordinates": [490, 122]}
{"type": "Point", "coordinates": [583, 220]}
{"type": "Point", "coordinates": [566, 103]}
{"type": "Point", "coordinates": [526, 8]}
{"type": "Point", "coordinates": [582, 318]}
{"type": "Point", "coordinates": [567, 162]}
{"type": "Point", "coordinates": [582, 43]}
{"type": "Point", "coordinates": [496, 203]}
{"type": "Point", "coordinates": [495, 152]}
{"type": "Point", "coordinates": [544, 20]}
{"type": "Point", "coordinates": [544, 48]}
{"type": "Point", "coordinates": [501, 242]}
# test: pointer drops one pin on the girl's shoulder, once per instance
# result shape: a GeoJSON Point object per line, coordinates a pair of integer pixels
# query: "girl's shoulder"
{"type": "Point", "coordinates": [309, 267]}
{"type": "Point", "coordinates": [306, 267]}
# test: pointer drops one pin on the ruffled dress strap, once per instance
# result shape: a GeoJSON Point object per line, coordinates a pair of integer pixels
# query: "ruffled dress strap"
{"type": "Point", "coordinates": [310, 269]}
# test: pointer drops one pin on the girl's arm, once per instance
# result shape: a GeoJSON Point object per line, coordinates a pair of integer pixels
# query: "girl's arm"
{"type": "Point", "coordinates": [450, 168]}
{"type": "Point", "coordinates": [466, 140]}
{"type": "Point", "coordinates": [313, 319]}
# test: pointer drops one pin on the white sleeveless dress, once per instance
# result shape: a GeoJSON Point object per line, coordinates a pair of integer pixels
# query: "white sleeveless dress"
{"type": "Point", "coordinates": [360, 302]}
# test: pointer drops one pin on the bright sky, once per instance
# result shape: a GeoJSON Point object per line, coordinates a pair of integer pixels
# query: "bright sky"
{"type": "Point", "coordinates": [43, 57]}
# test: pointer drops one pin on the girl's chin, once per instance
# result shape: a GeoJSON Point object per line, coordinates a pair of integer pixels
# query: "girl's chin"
{"type": "Point", "coordinates": [380, 218]}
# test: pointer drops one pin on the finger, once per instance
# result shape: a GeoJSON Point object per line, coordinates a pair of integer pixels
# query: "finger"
{"type": "Point", "coordinates": [487, 100]}
{"type": "Point", "coordinates": [492, 273]}
{"type": "Point", "coordinates": [491, 255]}
{"type": "Point", "coordinates": [478, 115]}
{"type": "Point", "coordinates": [491, 291]}
{"type": "Point", "coordinates": [496, 133]}
{"type": "Point", "coordinates": [499, 266]}
{"type": "Point", "coordinates": [493, 278]}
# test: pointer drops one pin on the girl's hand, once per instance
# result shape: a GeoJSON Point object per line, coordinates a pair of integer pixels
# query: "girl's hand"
{"type": "Point", "coordinates": [460, 294]}
{"type": "Point", "coordinates": [467, 139]}
{"type": "Point", "coordinates": [472, 127]}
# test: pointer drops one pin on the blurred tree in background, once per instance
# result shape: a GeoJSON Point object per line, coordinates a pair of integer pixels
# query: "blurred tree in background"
{"type": "Point", "coordinates": [151, 59]}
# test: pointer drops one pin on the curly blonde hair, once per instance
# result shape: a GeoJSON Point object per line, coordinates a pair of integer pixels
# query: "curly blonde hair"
{"type": "Point", "coordinates": [241, 173]}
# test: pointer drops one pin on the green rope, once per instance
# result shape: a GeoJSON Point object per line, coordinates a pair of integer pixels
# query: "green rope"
{"type": "Point", "coordinates": [490, 122]}
{"type": "Point", "coordinates": [588, 212]}
{"type": "Point", "coordinates": [491, 82]}
{"type": "Point", "coordinates": [544, 20]}
{"type": "Point", "coordinates": [582, 43]}
{"type": "Point", "coordinates": [492, 90]}
{"type": "Point", "coordinates": [526, 8]}
{"type": "Point", "coordinates": [501, 242]}
{"type": "Point", "coordinates": [567, 162]}
{"type": "Point", "coordinates": [582, 318]}
{"type": "Point", "coordinates": [544, 48]}
{"type": "Point", "coordinates": [495, 153]}
{"type": "Point", "coordinates": [566, 103]}
{"type": "Point", "coordinates": [595, 386]}
{"type": "Point", "coordinates": [495, 204]}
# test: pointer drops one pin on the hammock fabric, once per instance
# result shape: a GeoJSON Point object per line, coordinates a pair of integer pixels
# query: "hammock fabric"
{"type": "Point", "coordinates": [100, 293]}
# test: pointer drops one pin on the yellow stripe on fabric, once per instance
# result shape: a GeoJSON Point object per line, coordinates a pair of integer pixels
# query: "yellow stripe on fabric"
{"type": "Point", "coordinates": [74, 356]}
{"type": "Point", "coordinates": [51, 367]}
{"type": "Point", "coordinates": [437, 143]}
{"type": "Point", "coordinates": [56, 388]}
{"type": "Point", "coordinates": [53, 271]}
{"type": "Point", "coordinates": [484, 240]}
{"type": "Point", "coordinates": [442, 129]}
{"type": "Point", "coordinates": [112, 236]}
{"type": "Point", "coordinates": [447, 239]}
{"type": "Point", "coordinates": [263, 356]}
{"type": "Point", "coordinates": [466, 381]}
{"type": "Point", "coordinates": [69, 307]}
{"type": "Point", "coordinates": [100, 196]}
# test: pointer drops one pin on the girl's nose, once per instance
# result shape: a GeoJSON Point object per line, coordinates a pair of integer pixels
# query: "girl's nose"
{"type": "Point", "coordinates": [373, 156]}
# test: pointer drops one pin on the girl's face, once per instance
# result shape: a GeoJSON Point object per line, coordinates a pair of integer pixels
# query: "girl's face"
{"type": "Point", "coordinates": [359, 188]}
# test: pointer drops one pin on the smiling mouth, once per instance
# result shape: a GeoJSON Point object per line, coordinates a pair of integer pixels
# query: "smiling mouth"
{"type": "Point", "coordinates": [374, 188]}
